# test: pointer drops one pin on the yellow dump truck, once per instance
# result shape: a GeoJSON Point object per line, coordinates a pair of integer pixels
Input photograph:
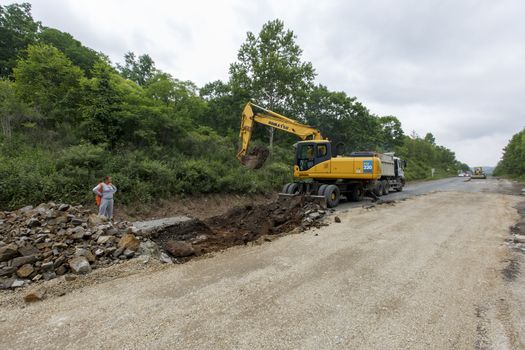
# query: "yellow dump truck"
{"type": "Point", "coordinates": [318, 171]}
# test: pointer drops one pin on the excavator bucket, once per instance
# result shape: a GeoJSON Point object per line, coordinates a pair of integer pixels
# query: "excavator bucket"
{"type": "Point", "coordinates": [256, 158]}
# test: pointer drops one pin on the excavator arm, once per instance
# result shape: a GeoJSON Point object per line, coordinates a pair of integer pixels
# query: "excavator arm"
{"type": "Point", "coordinates": [271, 119]}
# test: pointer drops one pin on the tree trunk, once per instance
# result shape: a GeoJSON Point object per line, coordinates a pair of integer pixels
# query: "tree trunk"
{"type": "Point", "coordinates": [272, 131]}
{"type": "Point", "coordinates": [6, 125]}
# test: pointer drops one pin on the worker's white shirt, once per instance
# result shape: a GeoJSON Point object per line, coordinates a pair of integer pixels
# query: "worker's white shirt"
{"type": "Point", "coordinates": [107, 190]}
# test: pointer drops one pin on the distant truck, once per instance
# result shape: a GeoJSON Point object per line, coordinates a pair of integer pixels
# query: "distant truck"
{"type": "Point", "coordinates": [478, 173]}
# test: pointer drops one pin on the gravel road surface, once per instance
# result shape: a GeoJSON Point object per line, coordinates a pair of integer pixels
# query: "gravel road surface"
{"type": "Point", "coordinates": [430, 272]}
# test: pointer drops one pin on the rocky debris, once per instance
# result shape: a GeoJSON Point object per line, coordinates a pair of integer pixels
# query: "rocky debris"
{"type": "Point", "coordinates": [517, 231]}
{"type": "Point", "coordinates": [33, 296]}
{"type": "Point", "coordinates": [337, 219]}
{"type": "Point", "coordinates": [51, 240]}
{"type": "Point", "coordinates": [519, 238]}
{"type": "Point", "coordinates": [238, 226]}
{"type": "Point", "coordinates": [165, 258]}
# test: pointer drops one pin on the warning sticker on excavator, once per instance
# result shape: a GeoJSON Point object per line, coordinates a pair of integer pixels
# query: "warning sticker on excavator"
{"type": "Point", "coordinates": [367, 166]}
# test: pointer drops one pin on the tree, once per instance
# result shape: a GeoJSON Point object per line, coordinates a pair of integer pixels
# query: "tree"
{"type": "Point", "coordinates": [49, 82]}
{"type": "Point", "coordinates": [12, 110]}
{"type": "Point", "coordinates": [512, 162]}
{"type": "Point", "coordinates": [342, 119]}
{"type": "Point", "coordinates": [138, 69]}
{"type": "Point", "coordinates": [17, 30]}
{"type": "Point", "coordinates": [100, 105]}
{"type": "Point", "coordinates": [269, 67]}
{"type": "Point", "coordinates": [223, 106]}
{"type": "Point", "coordinates": [430, 138]}
{"type": "Point", "coordinates": [392, 133]}
{"type": "Point", "coordinates": [80, 55]}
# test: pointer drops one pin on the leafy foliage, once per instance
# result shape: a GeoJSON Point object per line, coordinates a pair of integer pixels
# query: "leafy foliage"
{"type": "Point", "coordinates": [49, 82]}
{"type": "Point", "coordinates": [69, 117]}
{"type": "Point", "coordinates": [17, 30]}
{"type": "Point", "coordinates": [513, 161]}
{"type": "Point", "coordinates": [138, 69]}
{"type": "Point", "coordinates": [81, 56]}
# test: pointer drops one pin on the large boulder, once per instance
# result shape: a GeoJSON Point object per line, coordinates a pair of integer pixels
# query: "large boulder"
{"type": "Point", "coordinates": [22, 260]}
{"type": "Point", "coordinates": [8, 252]}
{"type": "Point", "coordinates": [129, 241]}
{"type": "Point", "coordinates": [34, 295]}
{"type": "Point", "coordinates": [80, 265]}
{"type": "Point", "coordinates": [25, 270]}
{"type": "Point", "coordinates": [96, 220]}
{"type": "Point", "coordinates": [179, 249]}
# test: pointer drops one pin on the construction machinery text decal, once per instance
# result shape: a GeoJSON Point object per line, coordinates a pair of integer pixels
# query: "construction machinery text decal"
{"type": "Point", "coordinates": [367, 166]}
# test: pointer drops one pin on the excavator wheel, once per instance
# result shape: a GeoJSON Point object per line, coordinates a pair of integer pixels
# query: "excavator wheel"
{"type": "Point", "coordinates": [321, 190]}
{"type": "Point", "coordinates": [332, 196]}
{"type": "Point", "coordinates": [293, 188]}
{"type": "Point", "coordinates": [285, 188]}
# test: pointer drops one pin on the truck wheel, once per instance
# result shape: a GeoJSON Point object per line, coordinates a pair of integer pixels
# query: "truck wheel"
{"type": "Point", "coordinates": [378, 188]}
{"type": "Point", "coordinates": [321, 190]}
{"type": "Point", "coordinates": [332, 196]}
{"type": "Point", "coordinates": [356, 194]}
{"type": "Point", "coordinates": [386, 189]}
{"type": "Point", "coordinates": [400, 188]}
{"type": "Point", "coordinates": [293, 188]}
{"type": "Point", "coordinates": [285, 188]}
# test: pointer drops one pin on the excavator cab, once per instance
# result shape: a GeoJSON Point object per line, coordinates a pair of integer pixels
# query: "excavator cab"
{"type": "Point", "coordinates": [310, 153]}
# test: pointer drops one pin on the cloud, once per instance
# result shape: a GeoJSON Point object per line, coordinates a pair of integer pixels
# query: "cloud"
{"type": "Point", "coordinates": [453, 68]}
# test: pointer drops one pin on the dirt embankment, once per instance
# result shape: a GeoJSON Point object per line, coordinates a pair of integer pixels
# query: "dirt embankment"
{"type": "Point", "coordinates": [199, 206]}
{"type": "Point", "coordinates": [239, 226]}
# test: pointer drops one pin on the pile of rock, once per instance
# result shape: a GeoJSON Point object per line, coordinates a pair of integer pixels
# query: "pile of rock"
{"type": "Point", "coordinates": [312, 215]}
{"type": "Point", "coordinates": [51, 239]}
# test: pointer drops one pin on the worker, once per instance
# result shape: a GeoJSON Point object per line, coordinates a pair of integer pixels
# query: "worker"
{"type": "Point", "coordinates": [106, 191]}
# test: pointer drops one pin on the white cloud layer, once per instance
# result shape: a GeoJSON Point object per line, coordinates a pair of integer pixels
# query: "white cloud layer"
{"type": "Point", "coordinates": [453, 68]}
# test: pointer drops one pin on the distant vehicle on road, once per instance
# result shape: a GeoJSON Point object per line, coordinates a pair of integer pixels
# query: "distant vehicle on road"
{"type": "Point", "coordinates": [478, 173]}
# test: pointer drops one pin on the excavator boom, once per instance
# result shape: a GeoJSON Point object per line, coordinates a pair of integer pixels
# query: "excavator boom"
{"type": "Point", "coordinates": [269, 118]}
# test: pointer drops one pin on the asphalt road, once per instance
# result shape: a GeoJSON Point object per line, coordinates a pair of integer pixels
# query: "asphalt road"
{"type": "Point", "coordinates": [431, 272]}
{"type": "Point", "coordinates": [451, 184]}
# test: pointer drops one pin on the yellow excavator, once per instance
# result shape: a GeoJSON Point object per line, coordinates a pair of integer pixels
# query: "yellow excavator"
{"type": "Point", "coordinates": [478, 173]}
{"type": "Point", "coordinates": [317, 170]}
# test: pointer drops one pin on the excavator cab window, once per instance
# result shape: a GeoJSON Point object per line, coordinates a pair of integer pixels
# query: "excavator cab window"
{"type": "Point", "coordinates": [322, 150]}
{"type": "Point", "coordinates": [310, 154]}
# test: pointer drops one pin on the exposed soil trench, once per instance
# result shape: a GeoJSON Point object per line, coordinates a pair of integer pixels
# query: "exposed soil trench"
{"type": "Point", "coordinates": [238, 226]}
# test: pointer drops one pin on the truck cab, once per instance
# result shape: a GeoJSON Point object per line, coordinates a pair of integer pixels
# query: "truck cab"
{"type": "Point", "coordinates": [399, 166]}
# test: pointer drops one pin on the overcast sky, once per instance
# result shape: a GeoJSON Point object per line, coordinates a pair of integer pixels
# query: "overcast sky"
{"type": "Point", "coordinates": [453, 68]}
